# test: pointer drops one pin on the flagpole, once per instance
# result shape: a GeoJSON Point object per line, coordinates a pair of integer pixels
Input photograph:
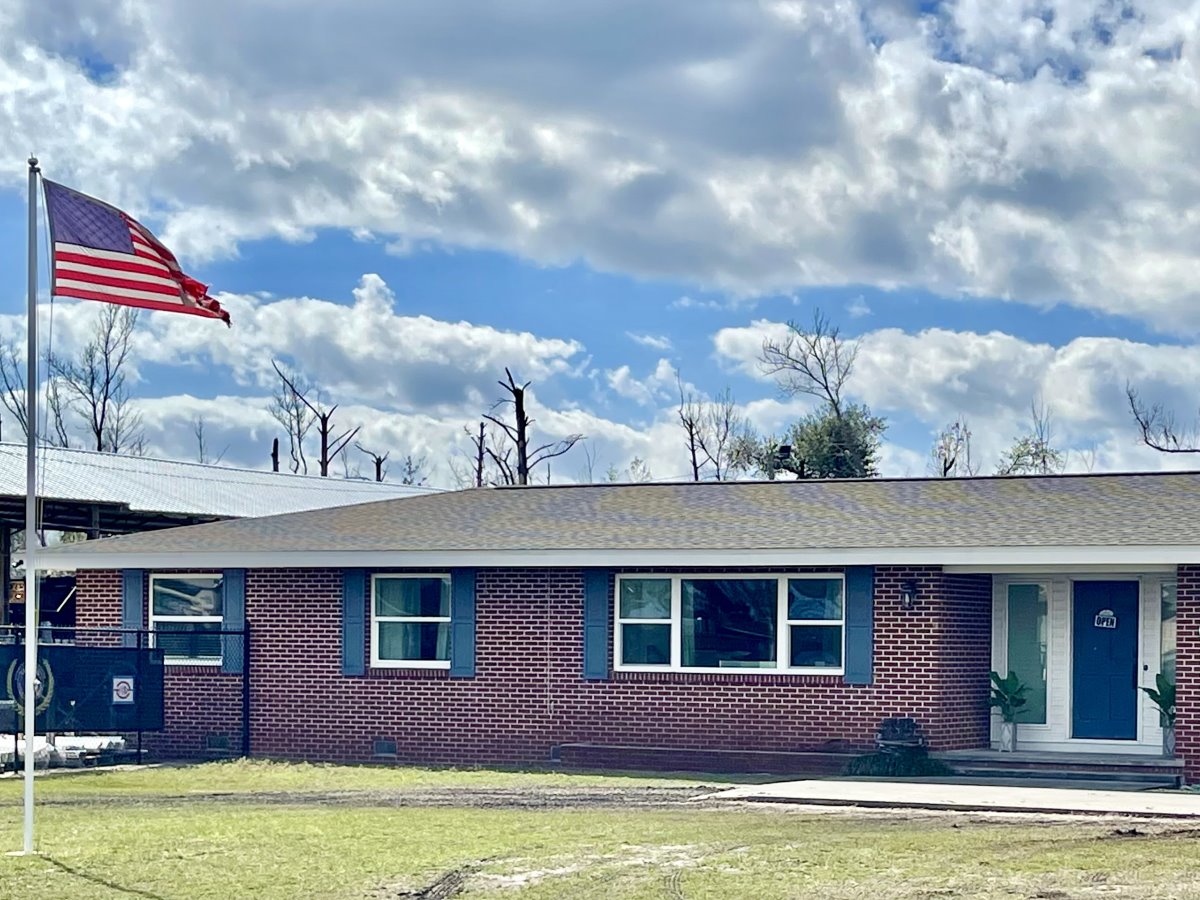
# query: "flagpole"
{"type": "Point", "coordinates": [31, 539]}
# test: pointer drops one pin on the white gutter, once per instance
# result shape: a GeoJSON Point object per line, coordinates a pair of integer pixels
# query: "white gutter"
{"type": "Point", "coordinates": [963, 559]}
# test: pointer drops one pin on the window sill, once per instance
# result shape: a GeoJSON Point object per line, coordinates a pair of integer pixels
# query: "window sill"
{"type": "Point", "coordinates": [200, 663]}
{"type": "Point", "coordinates": [733, 671]}
{"type": "Point", "coordinates": [410, 664]}
{"type": "Point", "coordinates": [725, 676]}
{"type": "Point", "coordinates": [424, 673]}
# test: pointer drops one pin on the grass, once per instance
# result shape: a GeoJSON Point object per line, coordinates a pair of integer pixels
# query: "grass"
{"type": "Point", "coordinates": [260, 776]}
{"type": "Point", "coordinates": [289, 831]}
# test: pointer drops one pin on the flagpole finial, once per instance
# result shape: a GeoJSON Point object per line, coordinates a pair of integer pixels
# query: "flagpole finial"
{"type": "Point", "coordinates": [33, 163]}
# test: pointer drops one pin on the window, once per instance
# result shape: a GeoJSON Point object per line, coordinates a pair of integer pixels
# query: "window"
{"type": "Point", "coordinates": [814, 615]}
{"type": "Point", "coordinates": [1027, 646]}
{"type": "Point", "coordinates": [730, 623]}
{"type": "Point", "coordinates": [186, 616]}
{"type": "Point", "coordinates": [1167, 642]}
{"type": "Point", "coordinates": [410, 625]}
{"type": "Point", "coordinates": [644, 620]}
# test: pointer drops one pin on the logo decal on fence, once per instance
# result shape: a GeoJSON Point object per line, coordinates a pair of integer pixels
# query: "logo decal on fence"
{"type": "Point", "coordinates": [43, 685]}
{"type": "Point", "coordinates": [1106, 618]}
{"type": "Point", "coordinates": [122, 689]}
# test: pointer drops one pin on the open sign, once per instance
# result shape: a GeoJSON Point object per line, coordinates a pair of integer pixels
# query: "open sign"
{"type": "Point", "coordinates": [1106, 618]}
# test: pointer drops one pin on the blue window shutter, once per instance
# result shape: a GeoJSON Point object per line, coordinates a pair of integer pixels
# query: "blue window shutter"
{"type": "Point", "coordinates": [232, 645]}
{"type": "Point", "coordinates": [133, 609]}
{"type": "Point", "coordinates": [462, 623]}
{"type": "Point", "coordinates": [354, 621]}
{"type": "Point", "coordinates": [596, 621]}
{"type": "Point", "coordinates": [860, 623]}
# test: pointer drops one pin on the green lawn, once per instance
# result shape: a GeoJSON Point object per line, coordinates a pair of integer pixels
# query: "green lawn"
{"type": "Point", "coordinates": [273, 831]}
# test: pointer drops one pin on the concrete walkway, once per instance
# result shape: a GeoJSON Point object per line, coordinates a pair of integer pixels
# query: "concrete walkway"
{"type": "Point", "coordinates": [974, 798]}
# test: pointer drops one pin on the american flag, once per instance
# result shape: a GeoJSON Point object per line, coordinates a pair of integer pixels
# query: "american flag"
{"type": "Point", "coordinates": [101, 253]}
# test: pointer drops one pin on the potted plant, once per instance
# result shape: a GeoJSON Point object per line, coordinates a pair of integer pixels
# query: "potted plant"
{"type": "Point", "coordinates": [1164, 698]}
{"type": "Point", "coordinates": [1008, 697]}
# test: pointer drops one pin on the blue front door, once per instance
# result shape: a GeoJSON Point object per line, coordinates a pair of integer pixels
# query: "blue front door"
{"type": "Point", "coordinates": [1104, 667]}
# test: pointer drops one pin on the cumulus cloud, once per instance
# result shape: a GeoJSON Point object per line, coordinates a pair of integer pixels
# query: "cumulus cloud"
{"type": "Point", "coordinates": [654, 341]}
{"type": "Point", "coordinates": [368, 349]}
{"type": "Point", "coordinates": [936, 375]}
{"type": "Point", "coordinates": [1037, 152]}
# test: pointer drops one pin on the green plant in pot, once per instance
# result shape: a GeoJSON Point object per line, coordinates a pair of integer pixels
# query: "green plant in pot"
{"type": "Point", "coordinates": [1163, 696]}
{"type": "Point", "coordinates": [1008, 698]}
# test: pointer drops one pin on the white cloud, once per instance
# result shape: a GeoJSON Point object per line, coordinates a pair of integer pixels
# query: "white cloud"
{"type": "Point", "coordinates": [653, 341]}
{"type": "Point", "coordinates": [936, 375]}
{"type": "Point", "coordinates": [686, 302]}
{"type": "Point", "coordinates": [858, 308]}
{"type": "Point", "coordinates": [1033, 151]}
{"type": "Point", "coordinates": [368, 350]}
{"type": "Point", "coordinates": [652, 390]}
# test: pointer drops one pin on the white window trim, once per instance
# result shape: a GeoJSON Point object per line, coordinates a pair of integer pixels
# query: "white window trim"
{"type": "Point", "coordinates": [376, 662]}
{"type": "Point", "coordinates": [155, 619]}
{"type": "Point", "coordinates": [782, 623]}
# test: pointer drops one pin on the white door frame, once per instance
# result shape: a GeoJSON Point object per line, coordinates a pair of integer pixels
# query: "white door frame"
{"type": "Point", "coordinates": [1055, 734]}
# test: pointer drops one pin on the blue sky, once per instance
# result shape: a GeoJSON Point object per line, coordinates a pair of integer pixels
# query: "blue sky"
{"type": "Point", "coordinates": [988, 195]}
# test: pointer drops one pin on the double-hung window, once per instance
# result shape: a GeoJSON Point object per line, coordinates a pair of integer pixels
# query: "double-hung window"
{"type": "Point", "coordinates": [410, 621]}
{"type": "Point", "coordinates": [730, 623]}
{"type": "Point", "coordinates": [186, 615]}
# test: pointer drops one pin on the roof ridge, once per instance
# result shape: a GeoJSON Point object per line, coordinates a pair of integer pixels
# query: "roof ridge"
{"type": "Point", "coordinates": [1056, 476]}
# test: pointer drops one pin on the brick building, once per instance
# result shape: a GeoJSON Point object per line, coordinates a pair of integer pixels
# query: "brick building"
{"type": "Point", "coordinates": [661, 623]}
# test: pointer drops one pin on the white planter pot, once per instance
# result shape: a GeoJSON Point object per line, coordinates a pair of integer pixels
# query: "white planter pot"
{"type": "Point", "coordinates": [1008, 737]}
{"type": "Point", "coordinates": [1169, 741]}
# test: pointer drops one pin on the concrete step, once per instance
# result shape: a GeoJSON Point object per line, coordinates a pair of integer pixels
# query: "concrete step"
{"type": "Point", "coordinates": [1127, 776]}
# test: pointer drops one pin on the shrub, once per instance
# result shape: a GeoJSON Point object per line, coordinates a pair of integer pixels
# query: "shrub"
{"type": "Point", "coordinates": [914, 763]}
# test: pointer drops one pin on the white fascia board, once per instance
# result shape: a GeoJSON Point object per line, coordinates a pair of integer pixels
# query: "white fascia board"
{"type": "Point", "coordinates": [963, 559]}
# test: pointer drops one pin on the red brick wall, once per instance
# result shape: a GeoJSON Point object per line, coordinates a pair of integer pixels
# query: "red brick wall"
{"type": "Point", "coordinates": [529, 695]}
{"type": "Point", "coordinates": [964, 660]}
{"type": "Point", "coordinates": [1187, 669]}
{"type": "Point", "coordinates": [198, 702]}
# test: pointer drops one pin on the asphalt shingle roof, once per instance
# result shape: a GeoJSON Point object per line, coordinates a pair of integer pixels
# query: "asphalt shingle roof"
{"type": "Point", "coordinates": [1094, 510]}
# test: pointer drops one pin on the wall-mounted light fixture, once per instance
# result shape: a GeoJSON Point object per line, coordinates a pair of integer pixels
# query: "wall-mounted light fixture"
{"type": "Point", "coordinates": [908, 593]}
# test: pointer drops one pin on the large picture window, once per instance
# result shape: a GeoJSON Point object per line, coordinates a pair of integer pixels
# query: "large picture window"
{"type": "Point", "coordinates": [410, 621]}
{"type": "Point", "coordinates": [730, 623]}
{"type": "Point", "coordinates": [186, 614]}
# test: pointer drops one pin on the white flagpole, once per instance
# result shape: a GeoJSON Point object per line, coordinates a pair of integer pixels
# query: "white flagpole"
{"type": "Point", "coordinates": [31, 539]}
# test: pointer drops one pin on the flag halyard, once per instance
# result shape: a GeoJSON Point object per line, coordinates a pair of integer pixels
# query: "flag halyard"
{"type": "Point", "coordinates": [101, 253]}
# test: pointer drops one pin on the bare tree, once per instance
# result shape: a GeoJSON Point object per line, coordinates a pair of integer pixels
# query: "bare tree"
{"type": "Point", "coordinates": [470, 473]}
{"type": "Point", "coordinates": [589, 464]}
{"type": "Point", "coordinates": [1033, 453]}
{"type": "Point", "coordinates": [814, 360]}
{"type": "Point", "coordinates": [516, 468]}
{"type": "Point", "coordinates": [1158, 427]}
{"type": "Point", "coordinates": [295, 393]}
{"type": "Point", "coordinates": [637, 472]}
{"type": "Point", "coordinates": [377, 460]}
{"type": "Point", "coordinates": [414, 470]}
{"type": "Point", "coordinates": [12, 384]}
{"type": "Point", "coordinates": [203, 454]}
{"type": "Point", "coordinates": [691, 419]}
{"type": "Point", "coordinates": [950, 456]}
{"type": "Point", "coordinates": [721, 432]}
{"type": "Point", "coordinates": [95, 385]}
{"type": "Point", "coordinates": [289, 410]}
{"type": "Point", "coordinates": [57, 435]}
{"type": "Point", "coordinates": [479, 454]}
